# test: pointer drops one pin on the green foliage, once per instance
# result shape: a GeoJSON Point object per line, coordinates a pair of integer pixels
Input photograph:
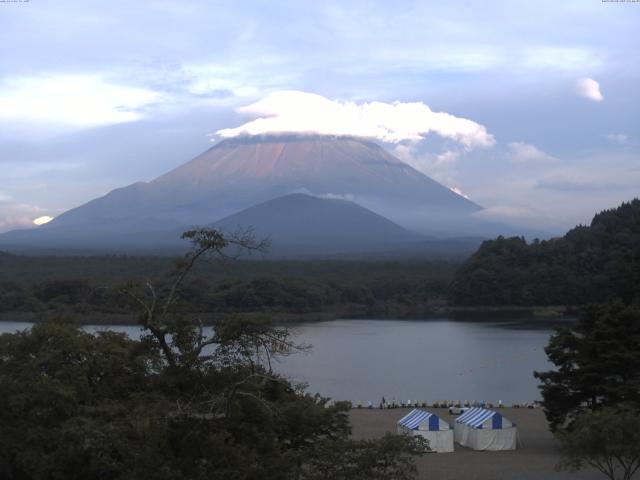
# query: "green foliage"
{"type": "Point", "coordinates": [589, 264]}
{"type": "Point", "coordinates": [92, 285]}
{"type": "Point", "coordinates": [388, 457]}
{"type": "Point", "coordinates": [12, 297]}
{"type": "Point", "coordinates": [598, 364]}
{"type": "Point", "coordinates": [75, 406]}
{"type": "Point", "coordinates": [177, 404]}
{"type": "Point", "coordinates": [63, 393]}
{"type": "Point", "coordinates": [63, 291]}
{"type": "Point", "coordinates": [607, 439]}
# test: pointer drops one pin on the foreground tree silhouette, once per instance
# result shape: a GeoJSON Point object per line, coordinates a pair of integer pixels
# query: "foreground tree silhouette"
{"type": "Point", "coordinates": [592, 399]}
{"type": "Point", "coordinates": [598, 364]}
{"type": "Point", "coordinates": [607, 440]}
{"type": "Point", "coordinates": [178, 404]}
{"type": "Point", "coordinates": [178, 339]}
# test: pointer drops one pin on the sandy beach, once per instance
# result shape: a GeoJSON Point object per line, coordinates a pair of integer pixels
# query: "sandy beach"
{"type": "Point", "coordinates": [535, 460]}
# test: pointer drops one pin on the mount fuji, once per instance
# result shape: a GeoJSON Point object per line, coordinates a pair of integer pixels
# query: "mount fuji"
{"type": "Point", "coordinates": [239, 173]}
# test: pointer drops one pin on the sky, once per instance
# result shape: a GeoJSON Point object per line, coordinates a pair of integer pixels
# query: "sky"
{"type": "Point", "coordinates": [531, 109]}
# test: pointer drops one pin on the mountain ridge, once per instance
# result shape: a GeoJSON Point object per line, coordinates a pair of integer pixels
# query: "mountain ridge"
{"type": "Point", "coordinates": [302, 224]}
{"type": "Point", "coordinates": [237, 173]}
{"type": "Point", "coordinates": [299, 226]}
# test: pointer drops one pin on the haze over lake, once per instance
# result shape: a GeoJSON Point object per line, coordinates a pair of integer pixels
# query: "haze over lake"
{"type": "Point", "coordinates": [363, 360]}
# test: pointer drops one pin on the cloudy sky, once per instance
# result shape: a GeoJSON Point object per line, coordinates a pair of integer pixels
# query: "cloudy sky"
{"type": "Point", "coordinates": [532, 109]}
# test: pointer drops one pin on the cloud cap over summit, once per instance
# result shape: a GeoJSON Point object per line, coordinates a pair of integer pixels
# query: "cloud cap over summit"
{"type": "Point", "coordinates": [307, 113]}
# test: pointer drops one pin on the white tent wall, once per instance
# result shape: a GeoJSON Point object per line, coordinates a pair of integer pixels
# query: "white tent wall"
{"type": "Point", "coordinates": [439, 442]}
{"type": "Point", "coordinates": [480, 439]}
{"type": "Point", "coordinates": [429, 426]}
{"type": "Point", "coordinates": [482, 429]}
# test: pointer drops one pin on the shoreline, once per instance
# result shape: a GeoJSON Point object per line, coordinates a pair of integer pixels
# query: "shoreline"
{"type": "Point", "coordinates": [535, 459]}
{"type": "Point", "coordinates": [543, 314]}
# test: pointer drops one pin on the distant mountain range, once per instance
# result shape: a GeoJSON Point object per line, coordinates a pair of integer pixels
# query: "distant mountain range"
{"type": "Point", "coordinates": [248, 182]}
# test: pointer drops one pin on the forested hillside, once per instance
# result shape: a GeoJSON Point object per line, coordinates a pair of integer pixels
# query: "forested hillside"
{"type": "Point", "coordinates": [90, 286]}
{"type": "Point", "coordinates": [589, 264]}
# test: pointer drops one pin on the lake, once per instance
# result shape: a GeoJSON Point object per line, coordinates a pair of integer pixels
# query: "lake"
{"type": "Point", "coordinates": [425, 360]}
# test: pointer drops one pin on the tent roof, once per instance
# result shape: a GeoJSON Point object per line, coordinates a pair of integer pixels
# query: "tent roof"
{"type": "Point", "coordinates": [415, 417]}
{"type": "Point", "coordinates": [476, 416]}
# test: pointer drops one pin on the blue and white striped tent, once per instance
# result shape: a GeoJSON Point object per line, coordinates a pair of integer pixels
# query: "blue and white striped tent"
{"type": "Point", "coordinates": [428, 425]}
{"type": "Point", "coordinates": [482, 429]}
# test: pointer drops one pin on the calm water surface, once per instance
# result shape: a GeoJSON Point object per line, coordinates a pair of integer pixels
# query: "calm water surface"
{"type": "Point", "coordinates": [363, 360]}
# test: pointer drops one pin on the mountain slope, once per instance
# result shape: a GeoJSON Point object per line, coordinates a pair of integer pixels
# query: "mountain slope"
{"type": "Point", "coordinates": [299, 223]}
{"type": "Point", "coordinates": [238, 173]}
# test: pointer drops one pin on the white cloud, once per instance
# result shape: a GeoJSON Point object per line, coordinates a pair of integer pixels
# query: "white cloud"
{"type": "Point", "coordinates": [42, 220]}
{"type": "Point", "coordinates": [560, 58]}
{"type": "Point", "coordinates": [71, 100]}
{"type": "Point", "coordinates": [465, 58]}
{"type": "Point", "coordinates": [439, 166]}
{"type": "Point", "coordinates": [516, 215]}
{"type": "Point", "coordinates": [301, 112]}
{"type": "Point", "coordinates": [521, 152]}
{"type": "Point", "coordinates": [617, 137]}
{"type": "Point", "coordinates": [589, 88]}
{"type": "Point", "coordinates": [459, 192]}
{"type": "Point", "coordinates": [333, 196]}
{"type": "Point", "coordinates": [427, 163]}
{"type": "Point", "coordinates": [447, 158]}
{"type": "Point", "coordinates": [571, 180]}
{"type": "Point", "coordinates": [14, 214]}
{"type": "Point", "coordinates": [204, 79]}
{"type": "Point", "coordinates": [350, 197]}
{"type": "Point", "coordinates": [560, 196]}
{"type": "Point", "coordinates": [506, 213]}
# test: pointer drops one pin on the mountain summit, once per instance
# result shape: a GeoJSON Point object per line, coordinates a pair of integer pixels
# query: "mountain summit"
{"type": "Point", "coordinates": [241, 172]}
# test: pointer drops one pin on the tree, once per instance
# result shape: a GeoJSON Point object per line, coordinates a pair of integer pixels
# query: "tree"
{"type": "Point", "coordinates": [67, 399]}
{"type": "Point", "coordinates": [179, 403]}
{"type": "Point", "coordinates": [588, 264]}
{"type": "Point", "coordinates": [607, 440]}
{"type": "Point", "coordinates": [388, 457]}
{"type": "Point", "coordinates": [178, 339]}
{"type": "Point", "coordinates": [598, 364]}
